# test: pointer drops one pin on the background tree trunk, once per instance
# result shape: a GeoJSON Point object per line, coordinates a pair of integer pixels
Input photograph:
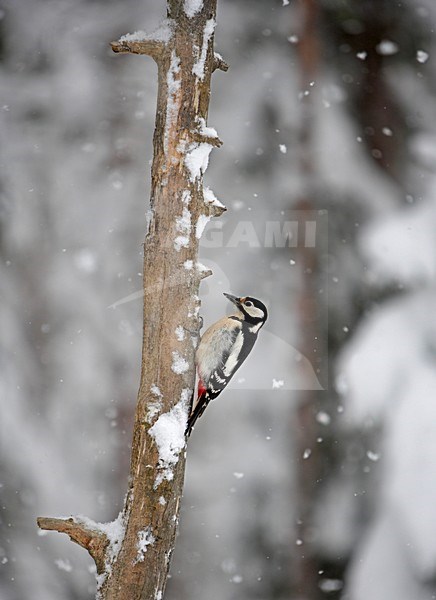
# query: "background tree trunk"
{"type": "Point", "coordinates": [133, 553]}
{"type": "Point", "coordinates": [307, 449]}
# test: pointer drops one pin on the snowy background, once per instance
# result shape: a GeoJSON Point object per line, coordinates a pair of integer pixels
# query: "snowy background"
{"type": "Point", "coordinates": [323, 487]}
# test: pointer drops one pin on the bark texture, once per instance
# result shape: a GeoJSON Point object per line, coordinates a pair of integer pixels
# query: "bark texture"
{"type": "Point", "coordinates": [135, 565]}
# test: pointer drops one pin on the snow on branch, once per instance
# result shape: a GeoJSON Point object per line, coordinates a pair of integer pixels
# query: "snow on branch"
{"type": "Point", "coordinates": [207, 135]}
{"type": "Point", "coordinates": [143, 43]}
{"type": "Point", "coordinates": [219, 63]}
{"type": "Point", "coordinates": [89, 537]}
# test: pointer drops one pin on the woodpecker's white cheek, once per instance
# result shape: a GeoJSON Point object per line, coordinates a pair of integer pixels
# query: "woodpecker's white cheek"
{"type": "Point", "coordinates": [234, 355]}
{"type": "Point", "coordinates": [255, 312]}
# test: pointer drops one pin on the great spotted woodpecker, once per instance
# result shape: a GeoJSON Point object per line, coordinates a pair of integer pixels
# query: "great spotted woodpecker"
{"type": "Point", "coordinates": [222, 350]}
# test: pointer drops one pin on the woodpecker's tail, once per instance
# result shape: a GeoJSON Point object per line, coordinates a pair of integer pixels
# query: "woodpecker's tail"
{"type": "Point", "coordinates": [202, 402]}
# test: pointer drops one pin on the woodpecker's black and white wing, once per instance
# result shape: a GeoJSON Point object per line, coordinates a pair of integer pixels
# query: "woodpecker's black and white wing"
{"type": "Point", "coordinates": [240, 349]}
{"type": "Point", "coordinates": [215, 342]}
{"type": "Point", "coordinates": [222, 350]}
{"type": "Point", "coordinates": [212, 353]}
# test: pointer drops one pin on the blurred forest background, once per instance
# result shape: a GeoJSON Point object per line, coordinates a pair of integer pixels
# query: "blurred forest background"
{"type": "Point", "coordinates": [293, 490]}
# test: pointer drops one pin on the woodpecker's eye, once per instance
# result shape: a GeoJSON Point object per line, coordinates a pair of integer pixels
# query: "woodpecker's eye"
{"type": "Point", "coordinates": [248, 303]}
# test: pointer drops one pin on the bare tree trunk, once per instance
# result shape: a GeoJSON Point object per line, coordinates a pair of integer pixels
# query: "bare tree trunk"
{"type": "Point", "coordinates": [133, 553]}
{"type": "Point", "coordinates": [308, 470]}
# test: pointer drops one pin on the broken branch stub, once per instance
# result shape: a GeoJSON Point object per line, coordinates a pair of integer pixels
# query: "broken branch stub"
{"type": "Point", "coordinates": [92, 540]}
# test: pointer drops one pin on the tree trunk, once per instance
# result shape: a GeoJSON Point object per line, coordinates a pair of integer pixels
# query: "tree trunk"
{"type": "Point", "coordinates": [133, 553]}
{"type": "Point", "coordinates": [308, 470]}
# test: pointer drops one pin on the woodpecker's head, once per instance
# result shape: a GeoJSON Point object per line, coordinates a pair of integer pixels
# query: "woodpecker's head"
{"type": "Point", "coordinates": [252, 310]}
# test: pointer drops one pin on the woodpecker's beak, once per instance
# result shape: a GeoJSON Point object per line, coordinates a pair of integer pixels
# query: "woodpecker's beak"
{"type": "Point", "coordinates": [233, 299]}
